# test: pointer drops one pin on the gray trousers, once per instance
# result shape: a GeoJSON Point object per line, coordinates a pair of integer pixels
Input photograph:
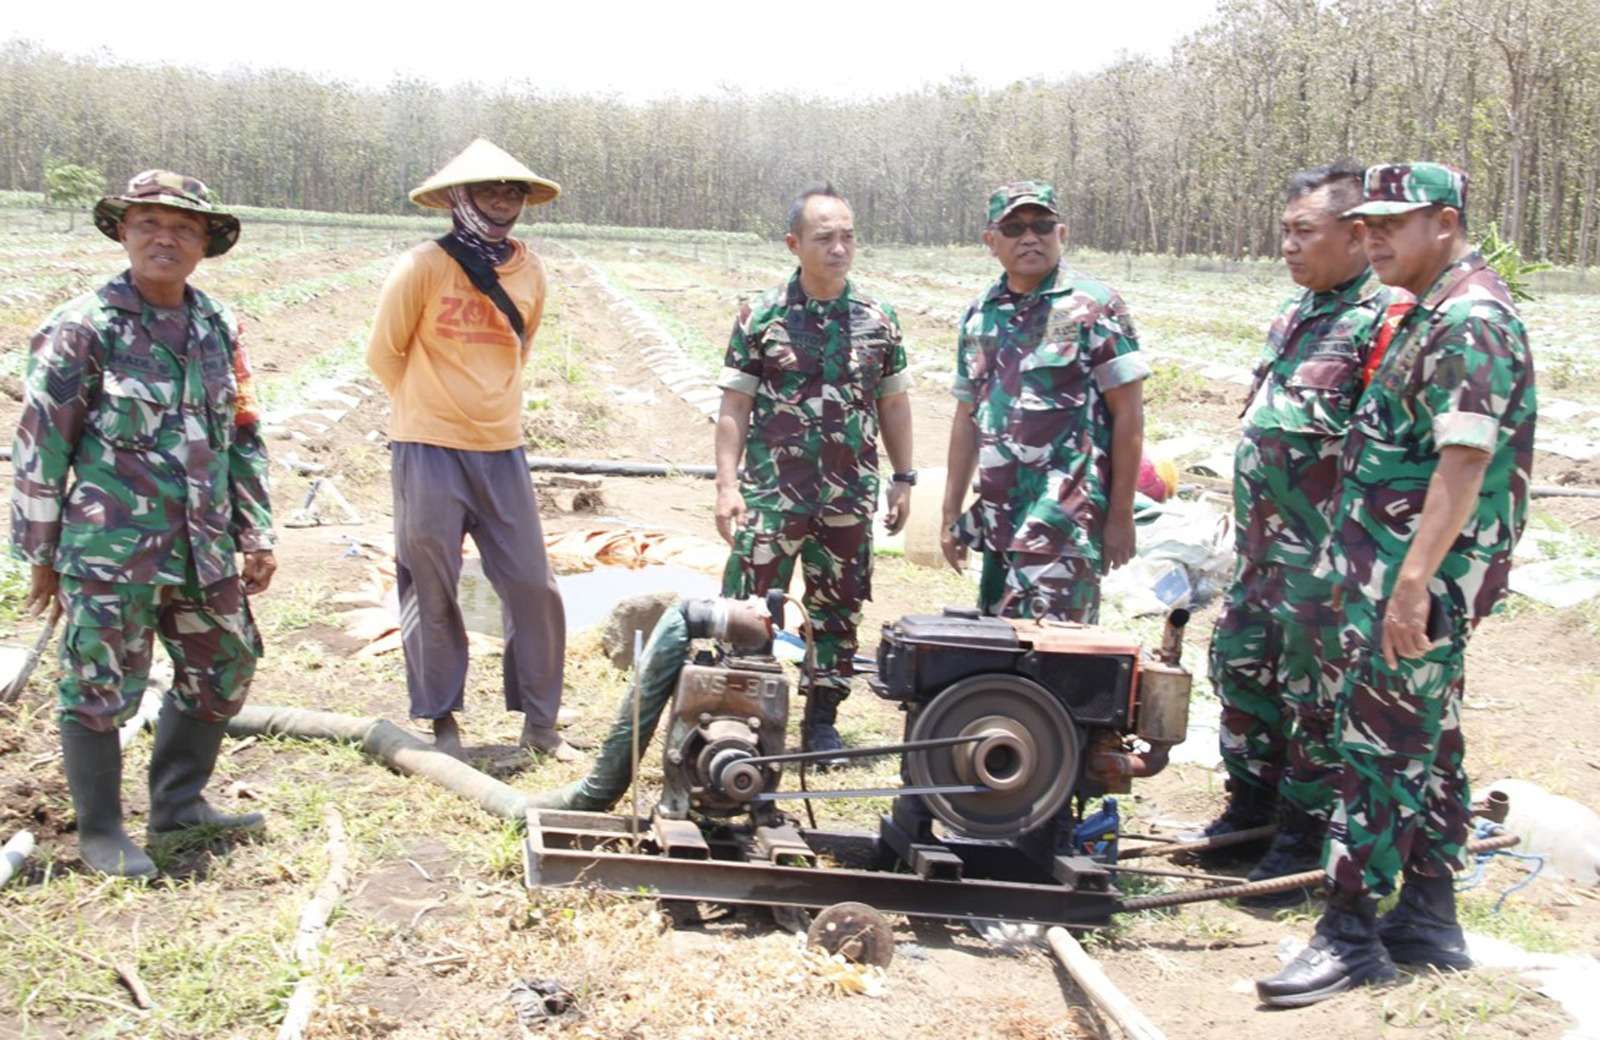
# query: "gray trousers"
{"type": "Point", "coordinates": [442, 495]}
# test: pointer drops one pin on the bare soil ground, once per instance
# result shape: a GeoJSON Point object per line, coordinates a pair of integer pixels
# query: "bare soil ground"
{"type": "Point", "coordinates": [438, 925]}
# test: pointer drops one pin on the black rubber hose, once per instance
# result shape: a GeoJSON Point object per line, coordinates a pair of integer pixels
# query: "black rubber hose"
{"type": "Point", "coordinates": [608, 468]}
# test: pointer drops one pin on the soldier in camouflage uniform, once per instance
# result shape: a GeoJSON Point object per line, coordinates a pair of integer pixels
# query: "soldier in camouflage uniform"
{"type": "Point", "coordinates": [814, 369]}
{"type": "Point", "coordinates": [139, 475]}
{"type": "Point", "coordinates": [1432, 499]}
{"type": "Point", "coordinates": [1049, 415]}
{"type": "Point", "coordinates": [1275, 734]}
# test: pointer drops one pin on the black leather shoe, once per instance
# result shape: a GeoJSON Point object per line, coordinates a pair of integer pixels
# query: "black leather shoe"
{"type": "Point", "coordinates": [1295, 849]}
{"type": "Point", "coordinates": [1422, 929]}
{"type": "Point", "coordinates": [1249, 805]}
{"type": "Point", "coordinates": [1344, 953]}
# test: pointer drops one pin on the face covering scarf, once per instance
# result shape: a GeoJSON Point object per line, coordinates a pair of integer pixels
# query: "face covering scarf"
{"type": "Point", "coordinates": [482, 236]}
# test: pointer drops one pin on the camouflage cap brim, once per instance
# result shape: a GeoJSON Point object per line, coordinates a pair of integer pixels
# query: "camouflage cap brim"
{"type": "Point", "coordinates": [222, 229]}
{"type": "Point", "coordinates": [1026, 200]}
{"type": "Point", "coordinates": [1384, 209]}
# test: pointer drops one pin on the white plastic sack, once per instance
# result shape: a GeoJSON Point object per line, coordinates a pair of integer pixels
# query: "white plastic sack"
{"type": "Point", "coordinates": [1145, 586]}
{"type": "Point", "coordinates": [1195, 534]}
{"type": "Point", "coordinates": [1563, 831]}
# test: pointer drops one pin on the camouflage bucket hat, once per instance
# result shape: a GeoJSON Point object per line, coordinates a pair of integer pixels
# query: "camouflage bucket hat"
{"type": "Point", "coordinates": [1403, 187]}
{"type": "Point", "coordinates": [1008, 197]}
{"type": "Point", "coordinates": [165, 188]}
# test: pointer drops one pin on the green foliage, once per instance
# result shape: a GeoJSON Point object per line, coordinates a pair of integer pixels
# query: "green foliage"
{"type": "Point", "coordinates": [501, 851]}
{"type": "Point", "coordinates": [1528, 926]}
{"type": "Point", "coordinates": [339, 362]}
{"type": "Point", "coordinates": [71, 185]}
{"type": "Point", "coordinates": [1171, 383]}
{"type": "Point", "coordinates": [265, 302]}
{"type": "Point", "coordinates": [1185, 151]}
{"type": "Point", "coordinates": [15, 577]}
{"type": "Point", "coordinates": [1506, 259]}
{"type": "Point", "coordinates": [431, 226]}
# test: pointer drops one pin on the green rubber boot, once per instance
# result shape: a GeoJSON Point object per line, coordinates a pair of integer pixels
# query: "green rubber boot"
{"type": "Point", "coordinates": [93, 763]}
{"type": "Point", "coordinates": [180, 767]}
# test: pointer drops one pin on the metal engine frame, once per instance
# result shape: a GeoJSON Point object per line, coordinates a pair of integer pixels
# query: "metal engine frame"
{"type": "Point", "coordinates": [986, 701]}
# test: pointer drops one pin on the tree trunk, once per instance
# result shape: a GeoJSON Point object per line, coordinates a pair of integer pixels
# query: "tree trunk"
{"type": "Point", "coordinates": [1586, 232]}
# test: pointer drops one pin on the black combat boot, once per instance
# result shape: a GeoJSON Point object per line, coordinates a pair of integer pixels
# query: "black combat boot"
{"type": "Point", "coordinates": [1295, 849]}
{"type": "Point", "coordinates": [817, 732]}
{"type": "Point", "coordinates": [185, 753]}
{"type": "Point", "coordinates": [93, 763]}
{"type": "Point", "coordinates": [1249, 805]}
{"type": "Point", "coordinates": [1345, 952]}
{"type": "Point", "coordinates": [1422, 928]}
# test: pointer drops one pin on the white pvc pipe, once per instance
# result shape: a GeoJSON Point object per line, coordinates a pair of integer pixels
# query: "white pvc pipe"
{"type": "Point", "coordinates": [149, 709]}
{"type": "Point", "coordinates": [19, 848]}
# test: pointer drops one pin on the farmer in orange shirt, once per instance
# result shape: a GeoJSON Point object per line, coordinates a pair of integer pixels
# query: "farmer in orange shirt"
{"type": "Point", "coordinates": [454, 328]}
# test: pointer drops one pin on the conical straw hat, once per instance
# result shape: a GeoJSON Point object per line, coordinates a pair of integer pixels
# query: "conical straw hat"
{"type": "Point", "coordinates": [479, 162]}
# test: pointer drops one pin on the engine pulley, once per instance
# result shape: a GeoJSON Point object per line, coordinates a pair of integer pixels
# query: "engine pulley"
{"type": "Point", "coordinates": [730, 773]}
{"type": "Point", "coordinates": [1027, 756]}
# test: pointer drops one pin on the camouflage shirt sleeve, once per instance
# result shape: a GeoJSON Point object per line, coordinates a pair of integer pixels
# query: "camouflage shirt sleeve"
{"type": "Point", "coordinates": [1467, 383]}
{"type": "Point", "coordinates": [60, 384]}
{"type": "Point", "coordinates": [251, 520]}
{"type": "Point", "coordinates": [1114, 348]}
{"type": "Point", "coordinates": [896, 380]}
{"type": "Point", "coordinates": [961, 387]}
{"type": "Point", "coordinates": [741, 366]}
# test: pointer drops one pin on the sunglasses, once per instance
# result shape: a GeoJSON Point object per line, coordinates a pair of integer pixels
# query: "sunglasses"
{"type": "Point", "coordinates": [1015, 228]}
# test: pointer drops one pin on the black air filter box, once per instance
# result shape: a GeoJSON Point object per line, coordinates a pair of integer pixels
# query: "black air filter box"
{"type": "Point", "coordinates": [921, 654]}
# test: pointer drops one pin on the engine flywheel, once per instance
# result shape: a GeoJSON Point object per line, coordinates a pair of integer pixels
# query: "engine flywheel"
{"type": "Point", "coordinates": [1028, 756]}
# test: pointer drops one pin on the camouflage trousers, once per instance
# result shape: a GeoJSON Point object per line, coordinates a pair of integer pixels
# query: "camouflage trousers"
{"type": "Point", "coordinates": [1036, 585]}
{"type": "Point", "coordinates": [1266, 665]}
{"type": "Point", "coordinates": [835, 554]}
{"type": "Point", "coordinates": [108, 639]}
{"type": "Point", "coordinates": [1403, 799]}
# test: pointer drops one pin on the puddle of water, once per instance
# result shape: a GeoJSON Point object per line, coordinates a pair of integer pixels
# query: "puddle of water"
{"type": "Point", "coordinates": [588, 597]}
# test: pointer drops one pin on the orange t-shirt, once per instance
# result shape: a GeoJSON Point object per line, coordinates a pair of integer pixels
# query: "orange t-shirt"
{"type": "Point", "coordinates": [447, 356]}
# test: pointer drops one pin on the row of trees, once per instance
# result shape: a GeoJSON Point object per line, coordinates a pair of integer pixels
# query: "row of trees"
{"type": "Point", "coordinates": [1184, 154]}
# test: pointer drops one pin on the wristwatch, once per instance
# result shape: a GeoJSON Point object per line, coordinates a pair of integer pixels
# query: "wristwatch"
{"type": "Point", "coordinates": [908, 477]}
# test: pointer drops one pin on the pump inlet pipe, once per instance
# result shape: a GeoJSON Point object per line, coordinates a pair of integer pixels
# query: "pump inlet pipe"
{"type": "Point", "coordinates": [612, 468]}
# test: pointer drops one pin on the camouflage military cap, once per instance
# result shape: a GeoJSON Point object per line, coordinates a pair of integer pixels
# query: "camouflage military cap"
{"type": "Point", "coordinates": [1008, 197]}
{"type": "Point", "coordinates": [1403, 187]}
{"type": "Point", "coordinates": [165, 188]}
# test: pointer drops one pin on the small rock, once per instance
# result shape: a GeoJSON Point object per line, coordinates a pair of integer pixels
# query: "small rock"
{"type": "Point", "coordinates": [634, 614]}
